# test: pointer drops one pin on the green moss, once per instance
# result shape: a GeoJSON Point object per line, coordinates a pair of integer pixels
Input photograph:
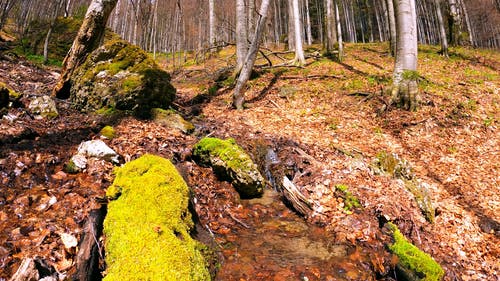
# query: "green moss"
{"type": "Point", "coordinates": [71, 168]}
{"type": "Point", "coordinates": [147, 227]}
{"type": "Point", "coordinates": [108, 132]}
{"type": "Point", "coordinates": [350, 201]}
{"type": "Point", "coordinates": [413, 259]}
{"type": "Point", "coordinates": [410, 74]}
{"type": "Point", "coordinates": [230, 162]}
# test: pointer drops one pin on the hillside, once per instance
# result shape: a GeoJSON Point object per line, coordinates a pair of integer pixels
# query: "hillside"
{"type": "Point", "coordinates": [325, 124]}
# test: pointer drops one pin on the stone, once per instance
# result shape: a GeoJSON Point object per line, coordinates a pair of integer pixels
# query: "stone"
{"type": "Point", "coordinates": [44, 107]}
{"type": "Point", "coordinates": [230, 162]}
{"type": "Point", "coordinates": [171, 119]}
{"type": "Point", "coordinates": [97, 149]}
{"type": "Point", "coordinates": [121, 76]}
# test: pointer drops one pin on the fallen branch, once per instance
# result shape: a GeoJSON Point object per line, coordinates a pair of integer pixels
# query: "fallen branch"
{"type": "Point", "coordinates": [293, 195]}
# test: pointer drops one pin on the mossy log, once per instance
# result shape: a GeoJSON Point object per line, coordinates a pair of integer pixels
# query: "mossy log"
{"type": "Point", "coordinates": [147, 229]}
{"type": "Point", "coordinates": [230, 162]}
{"type": "Point", "coordinates": [413, 264]}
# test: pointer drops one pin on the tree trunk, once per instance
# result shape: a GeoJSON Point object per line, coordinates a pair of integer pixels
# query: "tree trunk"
{"type": "Point", "coordinates": [392, 27]}
{"type": "Point", "coordinates": [454, 23]}
{"type": "Point", "coordinates": [291, 33]}
{"type": "Point", "coordinates": [89, 37]}
{"type": "Point", "coordinates": [331, 39]}
{"type": "Point", "coordinates": [339, 31]}
{"type": "Point", "coordinates": [251, 19]}
{"type": "Point", "coordinates": [241, 35]}
{"type": "Point", "coordinates": [238, 95]}
{"type": "Point", "coordinates": [308, 24]}
{"type": "Point", "coordinates": [405, 85]}
{"type": "Point", "coordinates": [442, 31]}
{"type": "Point", "coordinates": [299, 52]}
{"type": "Point", "coordinates": [211, 24]}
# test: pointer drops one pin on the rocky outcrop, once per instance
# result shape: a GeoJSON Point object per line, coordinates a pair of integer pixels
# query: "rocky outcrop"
{"type": "Point", "coordinates": [230, 162]}
{"type": "Point", "coordinates": [120, 76]}
{"type": "Point", "coordinates": [147, 228]}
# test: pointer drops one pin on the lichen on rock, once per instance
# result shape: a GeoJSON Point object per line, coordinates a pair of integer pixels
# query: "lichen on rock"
{"type": "Point", "coordinates": [414, 263]}
{"type": "Point", "coordinates": [171, 119]}
{"type": "Point", "coordinates": [121, 76]}
{"type": "Point", "coordinates": [230, 162]}
{"type": "Point", "coordinates": [147, 229]}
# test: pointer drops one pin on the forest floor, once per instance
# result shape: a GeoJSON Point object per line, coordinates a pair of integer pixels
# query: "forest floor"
{"type": "Point", "coordinates": [324, 122]}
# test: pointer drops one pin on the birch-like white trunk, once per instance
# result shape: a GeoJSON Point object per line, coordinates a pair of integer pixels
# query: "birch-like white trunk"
{"type": "Point", "coordinates": [238, 95]}
{"type": "Point", "coordinates": [308, 24]}
{"type": "Point", "coordinates": [339, 31]}
{"type": "Point", "coordinates": [211, 23]}
{"type": "Point", "coordinates": [405, 87]}
{"type": "Point", "coordinates": [241, 34]}
{"type": "Point", "coordinates": [299, 51]}
{"type": "Point", "coordinates": [331, 36]}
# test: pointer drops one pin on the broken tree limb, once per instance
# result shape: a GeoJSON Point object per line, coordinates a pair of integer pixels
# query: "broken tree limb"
{"type": "Point", "coordinates": [87, 259]}
{"type": "Point", "coordinates": [293, 195]}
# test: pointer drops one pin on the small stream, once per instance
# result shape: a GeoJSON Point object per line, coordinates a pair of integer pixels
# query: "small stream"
{"type": "Point", "coordinates": [274, 243]}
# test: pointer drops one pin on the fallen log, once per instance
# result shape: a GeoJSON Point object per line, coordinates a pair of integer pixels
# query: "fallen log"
{"type": "Point", "coordinates": [87, 259]}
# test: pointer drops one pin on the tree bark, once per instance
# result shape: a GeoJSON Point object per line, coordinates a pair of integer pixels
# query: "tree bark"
{"type": "Point", "coordinates": [455, 22]}
{"type": "Point", "coordinates": [442, 31]}
{"type": "Point", "coordinates": [241, 35]}
{"type": "Point", "coordinates": [299, 52]}
{"type": "Point", "coordinates": [211, 24]}
{"type": "Point", "coordinates": [89, 37]}
{"type": "Point", "coordinates": [392, 27]}
{"type": "Point", "coordinates": [238, 95]}
{"type": "Point", "coordinates": [331, 37]}
{"type": "Point", "coordinates": [339, 31]}
{"type": "Point", "coordinates": [405, 78]}
{"type": "Point", "coordinates": [308, 24]}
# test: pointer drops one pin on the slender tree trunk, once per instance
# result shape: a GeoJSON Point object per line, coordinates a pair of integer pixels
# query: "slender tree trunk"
{"type": "Point", "coordinates": [211, 24]}
{"type": "Point", "coordinates": [238, 95]}
{"type": "Point", "coordinates": [251, 19]}
{"type": "Point", "coordinates": [291, 26]}
{"type": "Point", "coordinates": [308, 24]}
{"type": "Point", "coordinates": [442, 31]}
{"type": "Point", "coordinates": [49, 33]}
{"type": "Point", "coordinates": [405, 78]}
{"type": "Point", "coordinates": [392, 27]}
{"type": "Point", "coordinates": [89, 37]}
{"type": "Point", "coordinates": [331, 39]}
{"type": "Point", "coordinates": [455, 22]}
{"type": "Point", "coordinates": [339, 31]}
{"type": "Point", "coordinates": [299, 52]}
{"type": "Point", "coordinates": [241, 35]}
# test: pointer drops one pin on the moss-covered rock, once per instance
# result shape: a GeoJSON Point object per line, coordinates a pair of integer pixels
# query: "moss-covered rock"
{"type": "Point", "coordinates": [391, 164]}
{"type": "Point", "coordinates": [108, 132]}
{"type": "Point", "coordinates": [230, 162]}
{"type": "Point", "coordinates": [413, 264]}
{"type": "Point", "coordinates": [147, 227]}
{"type": "Point", "coordinates": [171, 119]}
{"type": "Point", "coordinates": [44, 107]}
{"type": "Point", "coordinates": [122, 76]}
{"type": "Point", "coordinates": [8, 96]}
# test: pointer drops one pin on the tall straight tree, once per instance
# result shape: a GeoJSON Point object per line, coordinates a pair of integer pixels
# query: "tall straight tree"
{"type": "Point", "coordinates": [331, 36]}
{"type": "Point", "coordinates": [211, 23]}
{"type": "Point", "coordinates": [392, 26]}
{"type": "Point", "coordinates": [442, 30]}
{"type": "Point", "coordinates": [238, 95]}
{"type": "Point", "coordinates": [299, 51]}
{"type": "Point", "coordinates": [88, 38]}
{"type": "Point", "coordinates": [241, 35]}
{"type": "Point", "coordinates": [339, 31]}
{"type": "Point", "coordinates": [405, 78]}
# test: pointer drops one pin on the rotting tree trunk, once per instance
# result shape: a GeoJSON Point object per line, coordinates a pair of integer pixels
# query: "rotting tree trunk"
{"type": "Point", "coordinates": [87, 259]}
{"type": "Point", "coordinates": [238, 95]}
{"type": "Point", "coordinates": [405, 78]}
{"type": "Point", "coordinates": [89, 37]}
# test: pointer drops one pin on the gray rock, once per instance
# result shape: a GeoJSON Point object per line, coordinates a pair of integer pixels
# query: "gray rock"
{"type": "Point", "coordinates": [171, 119]}
{"type": "Point", "coordinates": [43, 107]}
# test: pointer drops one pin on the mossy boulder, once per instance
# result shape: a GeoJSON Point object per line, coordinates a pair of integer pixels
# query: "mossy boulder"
{"type": "Point", "coordinates": [230, 162]}
{"type": "Point", "coordinates": [171, 119]}
{"type": "Point", "coordinates": [121, 76]}
{"type": "Point", "coordinates": [147, 228]}
{"type": "Point", "coordinates": [44, 107]}
{"type": "Point", "coordinates": [413, 264]}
